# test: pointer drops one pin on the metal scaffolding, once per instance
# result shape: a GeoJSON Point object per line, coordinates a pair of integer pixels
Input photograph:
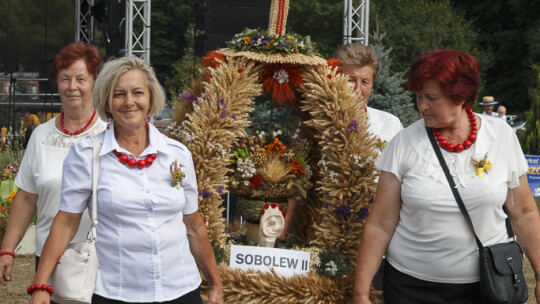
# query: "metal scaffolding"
{"type": "Point", "coordinates": [84, 21]}
{"type": "Point", "coordinates": [356, 21]}
{"type": "Point", "coordinates": [138, 28]}
{"type": "Point", "coordinates": [136, 25]}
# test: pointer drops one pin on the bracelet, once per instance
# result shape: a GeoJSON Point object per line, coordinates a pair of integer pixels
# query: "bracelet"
{"type": "Point", "coordinates": [34, 287]}
{"type": "Point", "coordinates": [7, 253]}
{"type": "Point", "coordinates": [537, 274]}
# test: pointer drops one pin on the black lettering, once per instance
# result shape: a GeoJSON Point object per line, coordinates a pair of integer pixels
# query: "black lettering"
{"type": "Point", "coordinates": [292, 263]}
{"type": "Point", "coordinates": [258, 259]}
{"type": "Point", "coordinates": [239, 258]}
{"type": "Point", "coordinates": [250, 259]}
{"type": "Point", "coordinates": [267, 260]}
{"type": "Point", "coordinates": [282, 261]}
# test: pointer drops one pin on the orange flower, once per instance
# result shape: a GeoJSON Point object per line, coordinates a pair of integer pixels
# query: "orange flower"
{"type": "Point", "coordinates": [11, 195]}
{"type": "Point", "coordinates": [275, 146]}
{"type": "Point", "coordinates": [296, 168]}
{"type": "Point", "coordinates": [281, 80]}
{"type": "Point", "coordinates": [4, 209]}
{"type": "Point", "coordinates": [334, 63]}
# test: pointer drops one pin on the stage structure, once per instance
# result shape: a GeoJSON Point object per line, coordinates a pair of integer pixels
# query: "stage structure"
{"type": "Point", "coordinates": [84, 21]}
{"type": "Point", "coordinates": [136, 25]}
{"type": "Point", "coordinates": [356, 21]}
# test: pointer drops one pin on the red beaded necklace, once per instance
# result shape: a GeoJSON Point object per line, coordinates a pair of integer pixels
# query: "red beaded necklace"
{"type": "Point", "coordinates": [78, 131]}
{"type": "Point", "coordinates": [450, 147]}
{"type": "Point", "coordinates": [132, 162]}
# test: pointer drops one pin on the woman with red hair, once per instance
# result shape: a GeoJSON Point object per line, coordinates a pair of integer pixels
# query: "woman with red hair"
{"type": "Point", "coordinates": [431, 253]}
{"type": "Point", "coordinates": [74, 71]}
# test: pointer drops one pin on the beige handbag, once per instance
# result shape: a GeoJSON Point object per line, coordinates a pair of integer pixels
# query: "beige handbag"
{"type": "Point", "coordinates": [74, 277]}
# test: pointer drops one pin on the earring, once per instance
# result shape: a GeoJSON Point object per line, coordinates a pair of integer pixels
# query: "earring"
{"type": "Point", "coordinates": [108, 123]}
{"type": "Point", "coordinates": [147, 121]}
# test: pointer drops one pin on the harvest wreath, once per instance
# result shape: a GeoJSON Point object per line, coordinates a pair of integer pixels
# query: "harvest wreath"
{"type": "Point", "coordinates": [213, 116]}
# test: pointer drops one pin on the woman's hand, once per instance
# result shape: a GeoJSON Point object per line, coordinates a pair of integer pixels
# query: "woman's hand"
{"type": "Point", "coordinates": [6, 265]}
{"type": "Point", "coordinates": [40, 297]}
{"type": "Point", "coordinates": [215, 296]}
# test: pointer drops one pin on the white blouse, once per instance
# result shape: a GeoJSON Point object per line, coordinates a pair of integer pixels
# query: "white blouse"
{"type": "Point", "coordinates": [142, 245]}
{"type": "Point", "coordinates": [382, 125]}
{"type": "Point", "coordinates": [432, 240]}
{"type": "Point", "coordinates": [41, 173]}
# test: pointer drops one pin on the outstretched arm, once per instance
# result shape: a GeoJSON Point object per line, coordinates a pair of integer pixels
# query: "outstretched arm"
{"type": "Point", "coordinates": [201, 249]}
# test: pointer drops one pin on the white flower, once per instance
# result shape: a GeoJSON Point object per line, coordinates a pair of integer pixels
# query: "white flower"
{"type": "Point", "coordinates": [331, 267]}
{"type": "Point", "coordinates": [333, 176]}
{"type": "Point", "coordinates": [261, 134]}
{"type": "Point", "coordinates": [281, 76]}
{"type": "Point", "coordinates": [246, 183]}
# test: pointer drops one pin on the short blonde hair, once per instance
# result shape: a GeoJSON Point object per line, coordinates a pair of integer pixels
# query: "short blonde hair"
{"type": "Point", "coordinates": [359, 54]}
{"type": "Point", "coordinates": [108, 79]}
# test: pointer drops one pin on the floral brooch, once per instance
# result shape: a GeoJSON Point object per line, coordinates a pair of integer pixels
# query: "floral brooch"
{"type": "Point", "coordinates": [381, 144]}
{"type": "Point", "coordinates": [483, 165]}
{"type": "Point", "coordinates": [177, 174]}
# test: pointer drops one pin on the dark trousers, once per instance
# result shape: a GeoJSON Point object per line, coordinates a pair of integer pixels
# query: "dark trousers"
{"type": "Point", "coordinates": [400, 288]}
{"type": "Point", "coordinates": [193, 297]}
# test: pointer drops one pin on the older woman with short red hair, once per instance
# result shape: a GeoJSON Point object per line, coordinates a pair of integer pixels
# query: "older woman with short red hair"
{"type": "Point", "coordinates": [74, 71]}
{"type": "Point", "coordinates": [431, 253]}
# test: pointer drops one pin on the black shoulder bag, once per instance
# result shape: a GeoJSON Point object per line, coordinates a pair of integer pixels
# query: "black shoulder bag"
{"type": "Point", "coordinates": [501, 265]}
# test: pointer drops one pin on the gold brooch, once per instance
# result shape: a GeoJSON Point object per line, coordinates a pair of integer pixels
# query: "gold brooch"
{"type": "Point", "coordinates": [484, 165]}
{"type": "Point", "coordinates": [177, 174]}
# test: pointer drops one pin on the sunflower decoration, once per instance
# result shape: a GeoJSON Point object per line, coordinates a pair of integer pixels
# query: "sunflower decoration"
{"type": "Point", "coordinates": [483, 165]}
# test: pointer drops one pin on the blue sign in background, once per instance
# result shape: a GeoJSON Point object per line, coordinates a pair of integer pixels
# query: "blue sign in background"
{"type": "Point", "coordinates": [533, 175]}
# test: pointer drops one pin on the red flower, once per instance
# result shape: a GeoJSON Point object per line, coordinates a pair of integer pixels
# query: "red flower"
{"type": "Point", "coordinates": [281, 80]}
{"type": "Point", "coordinates": [256, 181]}
{"type": "Point", "coordinates": [213, 59]}
{"type": "Point", "coordinates": [333, 63]}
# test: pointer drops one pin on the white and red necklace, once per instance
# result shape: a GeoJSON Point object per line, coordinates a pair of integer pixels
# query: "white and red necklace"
{"type": "Point", "coordinates": [132, 162]}
{"type": "Point", "coordinates": [78, 131]}
{"type": "Point", "coordinates": [450, 147]}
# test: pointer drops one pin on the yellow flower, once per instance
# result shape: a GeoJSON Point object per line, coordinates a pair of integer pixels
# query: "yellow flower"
{"type": "Point", "coordinates": [483, 165]}
{"type": "Point", "coordinates": [247, 40]}
{"type": "Point", "coordinates": [177, 174]}
{"type": "Point", "coordinates": [11, 195]}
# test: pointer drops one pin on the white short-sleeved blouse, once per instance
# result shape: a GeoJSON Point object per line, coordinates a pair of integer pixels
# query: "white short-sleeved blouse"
{"type": "Point", "coordinates": [41, 173]}
{"type": "Point", "coordinates": [432, 240]}
{"type": "Point", "coordinates": [142, 245]}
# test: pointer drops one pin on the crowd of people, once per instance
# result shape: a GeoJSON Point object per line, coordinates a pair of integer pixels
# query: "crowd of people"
{"type": "Point", "coordinates": [152, 242]}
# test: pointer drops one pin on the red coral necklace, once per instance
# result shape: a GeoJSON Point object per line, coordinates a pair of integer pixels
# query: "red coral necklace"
{"type": "Point", "coordinates": [78, 131]}
{"type": "Point", "coordinates": [450, 147]}
{"type": "Point", "coordinates": [132, 162]}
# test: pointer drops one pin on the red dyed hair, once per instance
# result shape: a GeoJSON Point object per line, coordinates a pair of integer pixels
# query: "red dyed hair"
{"type": "Point", "coordinates": [456, 72]}
{"type": "Point", "coordinates": [74, 52]}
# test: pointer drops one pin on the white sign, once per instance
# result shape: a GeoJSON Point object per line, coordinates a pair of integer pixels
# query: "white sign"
{"type": "Point", "coordinates": [285, 262]}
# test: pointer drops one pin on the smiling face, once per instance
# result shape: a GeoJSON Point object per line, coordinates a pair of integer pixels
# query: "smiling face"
{"type": "Point", "coordinates": [131, 100]}
{"type": "Point", "coordinates": [75, 85]}
{"type": "Point", "coordinates": [437, 109]}
{"type": "Point", "coordinates": [362, 78]}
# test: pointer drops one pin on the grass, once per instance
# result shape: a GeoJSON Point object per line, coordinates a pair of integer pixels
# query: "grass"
{"type": "Point", "coordinates": [23, 274]}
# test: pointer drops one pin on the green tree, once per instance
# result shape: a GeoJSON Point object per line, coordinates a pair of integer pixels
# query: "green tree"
{"type": "Point", "coordinates": [414, 27]}
{"type": "Point", "coordinates": [510, 30]}
{"type": "Point", "coordinates": [32, 32]}
{"type": "Point", "coordinates": [322, 20]}
{"type": "Point", "coordinates": [530, 138]}
{"type": "Point", "coordinates": [388, 93]}
{"type": "Point", "coordinates": [171, 20]}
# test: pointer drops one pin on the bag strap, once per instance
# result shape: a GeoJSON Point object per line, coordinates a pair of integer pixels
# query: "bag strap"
{"type": "Point", "coordinates": [92, 234]}
{"type": "Point", "coordinates": [452, 185]}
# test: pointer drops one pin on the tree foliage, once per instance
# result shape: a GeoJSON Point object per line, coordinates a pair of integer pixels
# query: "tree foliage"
{"type": "Point", "coordinates": [530, 138]}
{"type": "Point", "coordinates": [32, 32]}
{"type": "Point", "coordinates": [510, 30]}
{"type": "Point", "coordinates": [388, 93]}
{"type": "Point", "coordinates": [415, 27]}
{"type": "Point", "coordinates": [322, 20]}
